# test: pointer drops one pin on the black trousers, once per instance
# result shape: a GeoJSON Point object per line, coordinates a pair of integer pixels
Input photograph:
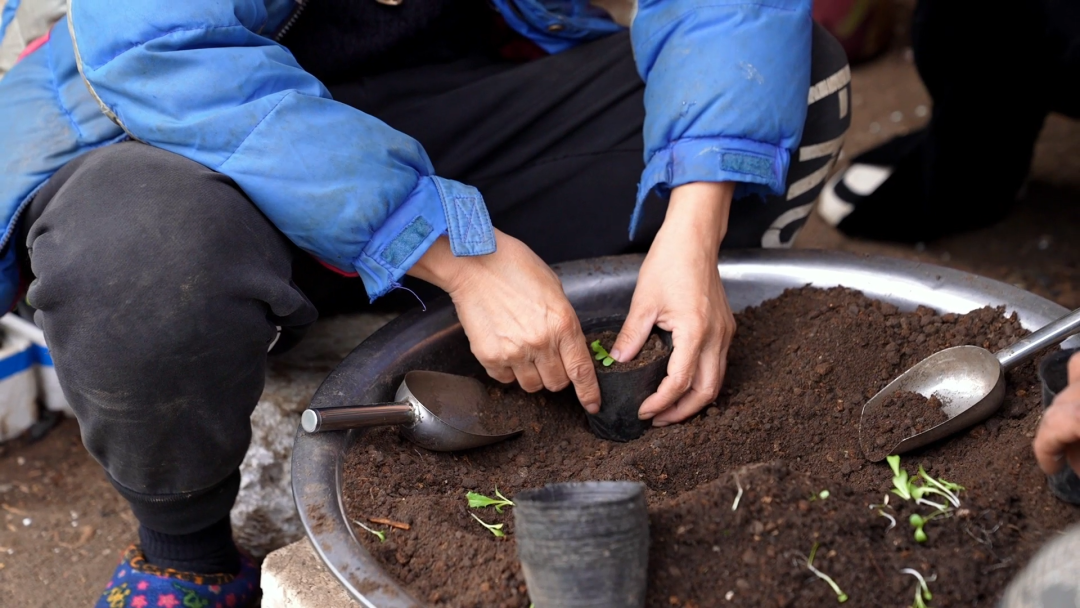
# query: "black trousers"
{"type": "Point", "coordinates": [994, 74]}
{"type": "Point", "coordinates": [160, 286]}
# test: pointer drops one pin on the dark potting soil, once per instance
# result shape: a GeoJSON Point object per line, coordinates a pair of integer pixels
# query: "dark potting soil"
{"type": "Point", "coordinates": [902, 415]}
{"type": "Point", "coordinates": [653, 349]}
{"type": "Point", "coordinates": [800, 368]}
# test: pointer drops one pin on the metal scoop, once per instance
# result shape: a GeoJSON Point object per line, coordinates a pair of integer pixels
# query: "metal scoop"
{"type": "Point", "coordinates": [969, 381]}
{"type": "Point", "coordinates": [436, 411]}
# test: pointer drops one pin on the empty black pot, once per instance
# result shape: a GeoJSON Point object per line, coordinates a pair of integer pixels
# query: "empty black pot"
{"type": "Point", "coordinates": [621, 392]}
{"type": "Point", "coordinates": [1054, 375]}
{"type": "Point", "coordinates": [584, 544]}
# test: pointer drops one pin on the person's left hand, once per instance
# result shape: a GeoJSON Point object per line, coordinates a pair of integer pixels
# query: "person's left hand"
{"type": "Point", "coordinates": [1057, 440]}
{"type": "Point", "coordinates": [679, 290]}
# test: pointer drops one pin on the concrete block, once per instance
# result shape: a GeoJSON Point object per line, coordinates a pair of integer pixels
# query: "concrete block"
{"type": "Point", "coordinates": [295, 577]}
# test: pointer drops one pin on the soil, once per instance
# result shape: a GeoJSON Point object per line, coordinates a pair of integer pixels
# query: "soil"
{"type": "Point", "coordinates": [653, 349]}
{"type": "Point", "coordinates": [801, 367]}
{"type": "Point", "coordinates": [901, 415]}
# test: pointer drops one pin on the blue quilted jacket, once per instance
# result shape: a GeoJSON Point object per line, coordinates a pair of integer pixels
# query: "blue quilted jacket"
{"type": "Point", "coordinates": [726, 85]}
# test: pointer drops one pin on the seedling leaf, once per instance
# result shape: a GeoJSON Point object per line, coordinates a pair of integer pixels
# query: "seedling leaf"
{"type": "Point", "coordinates": [381, 535]}
{"type": "Point", "coordinates": [495, 529]}
{"type": "Point", "coordinates": [601, 354]}
{"type": "Point", "coordinates": [841, 597]}
{"type": "Point", "coordinates": [479, 501]}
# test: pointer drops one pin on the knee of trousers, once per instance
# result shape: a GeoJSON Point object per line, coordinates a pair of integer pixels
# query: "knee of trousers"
{"type": "Point", "coordinates": [159, 286]}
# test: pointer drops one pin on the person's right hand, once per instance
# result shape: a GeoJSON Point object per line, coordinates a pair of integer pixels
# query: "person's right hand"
{"type": "Point", "coordinates": [1057, 440]}
{"type": "Point", "coordinates": [519, 323]}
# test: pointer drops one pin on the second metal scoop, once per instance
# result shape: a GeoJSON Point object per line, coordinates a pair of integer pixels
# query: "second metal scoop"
{"type": "Point", "coordinates": [436, 411]}
{"type": "Point", "coordinates": [969, 381]}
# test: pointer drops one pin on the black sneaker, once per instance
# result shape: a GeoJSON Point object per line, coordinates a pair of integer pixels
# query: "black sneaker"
{"type": "Point", "coordinates": [880, 195]}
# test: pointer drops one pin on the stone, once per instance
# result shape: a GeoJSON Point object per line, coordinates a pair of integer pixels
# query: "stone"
{"type": "Point", "coordinates": [295, 577]}
{"type": "Point", "coordinates": [264, 517]}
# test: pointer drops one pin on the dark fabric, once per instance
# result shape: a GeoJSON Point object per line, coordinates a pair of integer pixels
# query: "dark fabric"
{"type": "Point", "coordinates": [994, 76]}
{"type": "Point", "coordinates": [160, 286]}
{"type": "Point", "coordinates": [338, 40]}
{"type": "Point", "coordinates": [207, 551]}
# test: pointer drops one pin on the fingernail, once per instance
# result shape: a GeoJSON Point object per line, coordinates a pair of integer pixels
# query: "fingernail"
{"type": "Point", "coordinates": [592, 408]}
{"type": "Point", "coordinates": [616, 354]}
{"type": "Point", "coordinates": [659, 423]}
{"type": "Point", "coordinates": [645, 415]}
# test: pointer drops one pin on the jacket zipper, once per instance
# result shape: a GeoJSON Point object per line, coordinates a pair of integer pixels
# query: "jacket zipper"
{"type": "Point", "coordinates": [300, 6]}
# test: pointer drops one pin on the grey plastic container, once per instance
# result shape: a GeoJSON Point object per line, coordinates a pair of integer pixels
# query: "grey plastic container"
{"type": "Point", "coordinates": [584, 544]}
{"type": "Point", "coordinates": [1054, 376]}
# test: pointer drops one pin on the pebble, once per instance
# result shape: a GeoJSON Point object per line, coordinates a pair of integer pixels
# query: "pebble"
{"type": "Point", "coordinates": [469, 483]}
{"type": "Point", "coordinates": [921, 110]}
{"type": "Point", "coordinates": [875, 127]}
{"type": "Point", "coordinates": [742, 584]}
{"type": "Point", "coordinates": [749, 558]}
{"type": "Point", "coordinates": [896, 116]}
{"type": "Point", "coordinates": [27, 521]}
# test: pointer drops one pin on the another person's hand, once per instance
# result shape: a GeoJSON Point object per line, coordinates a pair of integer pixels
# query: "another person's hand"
{"type": "Point", "coordinates": [519, 323]}
{"type": "Point", "coordinates": [1057, 440]}
{"type": "Point", "coordinates": [679, 290]}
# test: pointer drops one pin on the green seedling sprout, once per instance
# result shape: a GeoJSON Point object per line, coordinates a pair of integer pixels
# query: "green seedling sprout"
{"type": "Point", "coordinates": [901, 481]}
{"type": "Point", "coordinates": [922, 590]}
{"type": "Point", "coordinates": [479, 501]}
{"type": "Point", "coordinates": [841, 597]}
{"type": "Point", "coordinates": [881, 511]}
{"type": "Point", "coordinates": [381, 535]}
{"type": "Point", "coordinates": [601, 354]}
{"type": "Point", "coordinates": [941, 487]}
{"type": "Point", "coordinates": [918, 521]}
{"type": "Point", "coordinates": [495, 529]}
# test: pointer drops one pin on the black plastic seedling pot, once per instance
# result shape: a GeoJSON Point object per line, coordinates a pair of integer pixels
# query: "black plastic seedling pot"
{"type": "Point", "coordinates": [621, 392]}
{"type": "Point", "coordinates": [1054, 375]}
{"type": "Point", "coordinates": [584, 544]}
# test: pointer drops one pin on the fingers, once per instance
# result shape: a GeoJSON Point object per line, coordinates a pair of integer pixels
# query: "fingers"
{"type": "Point", "coordinates": [500, 374]}
{"type": "Point", "coordinates": [703, 390]}
{"type": "Point", "coordinates": [528, 376]}
{"type": "Point", "coordinates": [1059, 429]}
{"type": "Point", "coordinates": [685, 358]}
{"type": "Point", "coordinates": [1074, 368]}
{"type": "Point", "coordinates": [552, 373]}
{"type": "Point", "coordinates": [576, 362]}
{"type": "Point", "coordinates": [635, 331]}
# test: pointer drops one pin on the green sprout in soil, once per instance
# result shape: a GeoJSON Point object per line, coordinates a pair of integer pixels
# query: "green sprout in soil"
{"type": "Point", "coordinates": [922, 590]}
{"type": "Point", "coordinates": [841, 597]}
{"type": "Point", "coordinates": [918, 521]}
{"type": "Point", "coordinates": [881, 511]}
{"type": "Point", "coordinates": [601, 354]}
{"type": "Point", "coordinates": [479, 501]}
{"type": "Point", "coordinates": [940, 487]}
{"type": "Point", "coordinates": [495, 529]}
{"type": "Point", "coordinates": [822, 495]}
{"type": "Point", "coordinates": [900, 480]}
{"type": "Point", "coordinates": [905, 487]}
{"type": "Point", "coordinates": [381, 535]}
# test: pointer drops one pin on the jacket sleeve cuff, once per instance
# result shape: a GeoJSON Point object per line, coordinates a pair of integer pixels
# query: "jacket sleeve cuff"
{"type": "Point", "coordinates": [435, 207]}
{"type": "Point", "coordinates": [756, 167]}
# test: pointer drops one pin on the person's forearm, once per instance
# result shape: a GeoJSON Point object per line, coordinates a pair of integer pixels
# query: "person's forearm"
{"type": "Point", "coordinates": [700, 211]}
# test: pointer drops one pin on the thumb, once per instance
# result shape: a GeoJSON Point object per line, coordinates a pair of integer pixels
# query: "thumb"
{"type": "Point", "coordinates": [635, 331]}
{"type": "Point", "coordinates": [1074, 368]}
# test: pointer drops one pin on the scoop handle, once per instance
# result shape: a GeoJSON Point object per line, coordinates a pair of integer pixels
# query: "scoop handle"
{"type": "Point", "coordinates": [317, 420]}
{"type": "Point", "coordinates": [1030, 345]}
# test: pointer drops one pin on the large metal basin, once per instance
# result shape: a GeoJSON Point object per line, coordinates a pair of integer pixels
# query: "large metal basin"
{"type": "Point", "coordinates": [435, 340]}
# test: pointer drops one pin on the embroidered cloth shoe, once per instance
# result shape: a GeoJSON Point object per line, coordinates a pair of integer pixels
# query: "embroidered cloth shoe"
{"type": "Point", "coordinates": [138, 584]}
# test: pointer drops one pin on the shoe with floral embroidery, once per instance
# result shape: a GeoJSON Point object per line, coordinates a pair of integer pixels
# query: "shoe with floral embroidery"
{"type": "Point", "coordinates": [137, 584]}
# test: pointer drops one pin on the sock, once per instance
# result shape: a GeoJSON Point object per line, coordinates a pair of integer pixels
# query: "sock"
{"type": "Point", "coordinates": [207, 551]}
